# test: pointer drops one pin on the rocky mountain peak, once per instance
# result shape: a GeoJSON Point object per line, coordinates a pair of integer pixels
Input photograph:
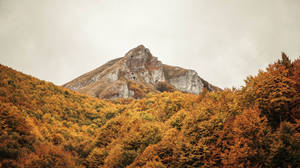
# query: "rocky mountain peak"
{"type": "Point", "coordinates": [138, 58]}
{"type": "Point", "coordinates": [135, 75]}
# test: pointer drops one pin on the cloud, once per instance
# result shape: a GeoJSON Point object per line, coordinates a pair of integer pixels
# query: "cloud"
{"type": "Point", "coordinates": [224, 41]}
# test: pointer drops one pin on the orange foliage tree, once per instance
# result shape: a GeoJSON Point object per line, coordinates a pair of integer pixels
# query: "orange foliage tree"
{"type": "Point", "coordinates": [275, 91]}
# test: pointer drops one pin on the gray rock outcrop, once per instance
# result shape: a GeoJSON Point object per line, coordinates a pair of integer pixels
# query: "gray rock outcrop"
{"type": "Point", "coordinates": [135, 75]}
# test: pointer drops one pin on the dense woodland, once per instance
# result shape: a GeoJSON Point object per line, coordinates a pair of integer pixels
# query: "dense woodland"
{"type": "Point", "coordinates": [258, 125]}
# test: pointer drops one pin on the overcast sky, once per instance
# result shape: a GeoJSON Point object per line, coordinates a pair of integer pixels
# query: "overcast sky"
{"type": "Point", "coordinates": [223, 40]}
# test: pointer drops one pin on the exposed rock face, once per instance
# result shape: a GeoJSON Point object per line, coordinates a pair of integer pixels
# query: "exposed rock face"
{"type": "Point", "coordinates": [136, 74]}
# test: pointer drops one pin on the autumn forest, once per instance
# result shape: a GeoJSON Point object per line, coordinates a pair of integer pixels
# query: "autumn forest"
{"type": "Point", "coordinates": [257, 125]}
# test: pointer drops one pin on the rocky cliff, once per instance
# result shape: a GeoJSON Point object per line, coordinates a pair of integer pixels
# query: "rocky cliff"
{"type": "Point", "coordinates": [135, 75]}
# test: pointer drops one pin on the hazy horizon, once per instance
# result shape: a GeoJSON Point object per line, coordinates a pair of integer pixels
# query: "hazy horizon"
{"type": "Point", "coordinates": [59, 40]}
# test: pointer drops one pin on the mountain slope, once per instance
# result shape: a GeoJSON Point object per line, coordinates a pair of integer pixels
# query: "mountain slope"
{"type": "Point", "coordinates": [135, 75]}
{"type": "Point", "coordinates": [43, 125]}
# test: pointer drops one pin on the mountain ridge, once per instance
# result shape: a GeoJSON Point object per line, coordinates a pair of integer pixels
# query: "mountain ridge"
{"type": "Point", "coordinates": [44, 125]}
{"type": "Point", "coordinates": [135, 75]}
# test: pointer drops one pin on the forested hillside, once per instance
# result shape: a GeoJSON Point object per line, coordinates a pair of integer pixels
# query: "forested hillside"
{"type": "Point", "coordinates": [43, 125]}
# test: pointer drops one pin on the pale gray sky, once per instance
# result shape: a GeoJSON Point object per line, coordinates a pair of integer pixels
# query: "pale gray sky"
{"type": "Point", "coordinates": [223, 40]}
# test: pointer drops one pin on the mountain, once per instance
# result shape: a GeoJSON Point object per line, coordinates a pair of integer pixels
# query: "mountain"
{"type": "Point", "coordinates": [135, 75]}
{"type": "Point", "coordinates": [258, 125]}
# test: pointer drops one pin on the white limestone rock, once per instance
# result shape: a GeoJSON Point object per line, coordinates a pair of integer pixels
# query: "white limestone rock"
{"type": "Point", "coordinates": [138, 66]}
